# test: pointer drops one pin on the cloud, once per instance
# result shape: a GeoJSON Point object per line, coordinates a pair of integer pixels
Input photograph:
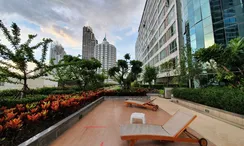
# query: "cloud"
{"type": "Point", "coordinates": [118, 38]}
{"type": "Point", "coordinates": [131, 32]}
{"type": "Point", "coordinates": [63, 20]}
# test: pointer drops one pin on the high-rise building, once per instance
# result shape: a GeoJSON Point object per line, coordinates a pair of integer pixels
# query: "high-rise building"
{"type": "Point", "coordinates": [106, 54]}
{"type": "Point", "coordinates": [160, 35]}
{"type": "Point", "coordinates": [206, 22]}
{"type": "Point", "coordinates": [88, 43]}
{"type": "Point", "coordinates": [56, 52]}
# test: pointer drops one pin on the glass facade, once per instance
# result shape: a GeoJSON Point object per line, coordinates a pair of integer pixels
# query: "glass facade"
{"type": "Point", "coordinates": [206, 22]}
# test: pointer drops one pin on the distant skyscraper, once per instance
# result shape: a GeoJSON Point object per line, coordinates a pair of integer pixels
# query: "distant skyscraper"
{"type": "Point", "coordinates": [106, 54]}
{"type": "Point", "coordinates": [88, 43]}
{"type": "Point", "coordinates": [57, 52]}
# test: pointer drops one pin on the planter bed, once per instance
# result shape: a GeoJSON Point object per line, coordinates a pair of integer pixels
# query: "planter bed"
{"type": "Point", "coordinates": [229, 117]}
{"type": "Point", "coordinates": [45, 137]}
{"type": "Point", "coordinates": [23, 121]}
{"type": "Point", "coordinates": [26, 120]}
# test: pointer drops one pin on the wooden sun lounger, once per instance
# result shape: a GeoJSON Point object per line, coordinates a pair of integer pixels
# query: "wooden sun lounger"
{"type": "Point", "coordinates": [148, 105]}
{"type": "Point", "coordinates": [170, 131]}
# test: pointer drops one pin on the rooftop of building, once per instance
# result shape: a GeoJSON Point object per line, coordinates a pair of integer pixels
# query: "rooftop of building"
{"type": "Point", "coordinates": [104, 127]}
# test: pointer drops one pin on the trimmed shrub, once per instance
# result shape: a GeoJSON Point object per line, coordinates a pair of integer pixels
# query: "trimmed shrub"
{"type": "Point", "coordinates": [68, 91]}
{"type": "Point", "coordinates": [161, 92]}
{"type": "Point", "coordinates": [10, 101]}
{"type": "Point", "coordinates": [219, 97]}
{"type": "Point", "coordinates": [9, 92]}
{"type": "Point", "coordinates": [156, 86]}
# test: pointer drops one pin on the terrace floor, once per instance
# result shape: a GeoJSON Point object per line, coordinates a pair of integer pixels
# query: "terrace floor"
{"type": "Point", "coordinates": [219, 132]}
{"type": "Point", "coordinates": [101, 127]}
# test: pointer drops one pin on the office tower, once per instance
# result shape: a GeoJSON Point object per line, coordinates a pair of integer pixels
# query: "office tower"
{"type": "Point", "coordinates": [56, 52]}
{"type": "Point", "coordinates": [88, 43]}
{"type": "Point", "coordinates": [206, 22]}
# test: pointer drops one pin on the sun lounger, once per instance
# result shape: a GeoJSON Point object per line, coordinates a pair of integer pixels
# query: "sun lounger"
{"type": "Point", "coordinates": [170, 131]}
{"type": "Point", "coordinates": [148, 105]}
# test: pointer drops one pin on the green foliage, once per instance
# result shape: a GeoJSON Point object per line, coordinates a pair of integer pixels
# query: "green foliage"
{"type": "Point", "coordinates": [11, 102]}
{"type": "Point", "coordinates": [227, 62]}
{"type": "Point", "coordinates": [156, 86]}
{"type": "Point", "coordinates": [9, 92]}
{"type": "Point", "coordinates": [150, 74]}
{"type": "Point", "coordinates": [67, 91]}
{"type": "Point", "coordinates": [167, 67]}
{"type": "Point", "coordinates": [135, 84]}
{"type": "Point", "coordinates": [228, 99]}
{"type": "Point", "coordinates": [40, 91]}
{"type": "Point", "coordinates": [161, 92]}
{"type": "Point", "coordinates": [60, 73]}
{"type": "Point", "coordinates": [13, 63]}
{"type": "Point", "coordinates": [189, 69]}
{"type": "Point", "coordinates": [83, 72]}
{"type": "Point", "coordinates": [126, 71]}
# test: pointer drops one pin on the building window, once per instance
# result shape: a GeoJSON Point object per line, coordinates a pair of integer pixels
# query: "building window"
{"type": "Point", "coordinates": [171, 15]}
{"type": "Point", "coordinates": [162, 54]}
{"type": "Point", "coordinates": [172, 30]}
{"type": "Point", "coordinates": [173, 47]}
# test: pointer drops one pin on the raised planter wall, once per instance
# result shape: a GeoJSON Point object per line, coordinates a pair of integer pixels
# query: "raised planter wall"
{"type": "Point", "coordinates": [229, 117]}
{"type": "Point", "coordinates": [126, 97]}
{"type": "Point", "coordinates": [47, 136]}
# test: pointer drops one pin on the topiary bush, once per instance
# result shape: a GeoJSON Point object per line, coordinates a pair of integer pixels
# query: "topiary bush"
{"type": "Point", "coordinates": [228, 99]}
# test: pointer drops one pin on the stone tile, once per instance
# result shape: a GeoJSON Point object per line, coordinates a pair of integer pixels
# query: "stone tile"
{"type": "Point", "coordinates": [109, 115]}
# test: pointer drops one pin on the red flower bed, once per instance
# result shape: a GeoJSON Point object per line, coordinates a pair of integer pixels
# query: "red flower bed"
{"type": "Point", "coordinates": [23, 121]}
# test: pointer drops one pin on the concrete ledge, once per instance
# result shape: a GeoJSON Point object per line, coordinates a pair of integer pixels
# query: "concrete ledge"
{"type": "Point", "coordinates": [47, 136]}
{"type": "Point", "coordinates": [126, 97]}
{"type": "Point", "coordinates": [225, 116]}
{"type": "Point", "coordinates": [153, 94]}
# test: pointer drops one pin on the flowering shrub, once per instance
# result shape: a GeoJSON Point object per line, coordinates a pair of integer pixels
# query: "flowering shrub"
{"type": "Point", "coordinates": [32, 118]}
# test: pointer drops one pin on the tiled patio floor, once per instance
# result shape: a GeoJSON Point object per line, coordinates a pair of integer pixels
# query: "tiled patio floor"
{"type": "Point", "coordinates": [101, 127]}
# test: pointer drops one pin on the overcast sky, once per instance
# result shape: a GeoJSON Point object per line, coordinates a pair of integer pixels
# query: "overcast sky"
{"type": "Point", "coordinates": [63, 20]}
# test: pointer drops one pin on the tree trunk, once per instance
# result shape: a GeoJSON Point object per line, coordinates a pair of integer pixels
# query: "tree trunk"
{"type": "Point", "coordinates": [25, 87]}
{"type": "Point", "coordinates": [62, 85]}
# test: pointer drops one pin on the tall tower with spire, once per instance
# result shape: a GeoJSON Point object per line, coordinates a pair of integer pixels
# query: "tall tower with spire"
{"type": "Point", "coordinates": [105, 38]}
{"type": "Point", "coordinates": [106, 54]}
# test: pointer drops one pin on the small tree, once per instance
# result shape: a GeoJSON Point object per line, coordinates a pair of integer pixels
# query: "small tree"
{"type": "Point", "coordinates": [167, 67]}
{"type": "Point", "coordinates": [13, 62]}
{"type": "Point", "coordinates": [84, 72]}
{"type": "Point", "coordinates": [229, 63]}
{"type": "Point", "coordinates": [60, 73]}
{"type": "Point", "coordinates": [126, 71]}
{"type": "Point", "coordinates": [150, 74]}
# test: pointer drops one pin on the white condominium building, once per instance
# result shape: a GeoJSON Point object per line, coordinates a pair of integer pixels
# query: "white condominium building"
{"type": "Point", "coordinates": [106, 54]}
{"type": "Point", "coordinates": [160, 35]}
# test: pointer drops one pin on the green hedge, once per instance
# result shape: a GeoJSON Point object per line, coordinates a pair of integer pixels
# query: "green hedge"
{"type": "Point", "coordinates": [157, 86]}
{"type": "Point", "coordinates": [10, 101]}
{"type": "Point", "coordinates": [42, 91]}
{"type": "Point", "coordinates": [219, 97]}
